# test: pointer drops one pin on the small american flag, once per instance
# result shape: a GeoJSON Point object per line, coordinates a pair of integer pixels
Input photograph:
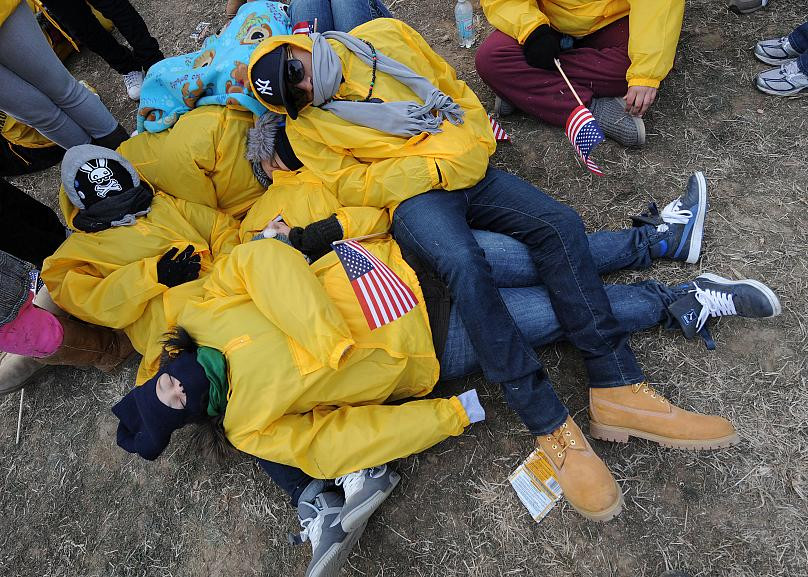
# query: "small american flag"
{"type": "Point", "coordinates": [584, 133]}
{"type": "Point", "coordinates": [499, 132]}
{"type": "Point", "coordinates": [382, 296]}
{"type": "Point", "coordinates": [301, 28]}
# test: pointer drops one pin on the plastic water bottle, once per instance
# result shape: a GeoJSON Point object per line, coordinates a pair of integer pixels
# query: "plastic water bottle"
{"type": "Point", "coordinates": [464, 18]}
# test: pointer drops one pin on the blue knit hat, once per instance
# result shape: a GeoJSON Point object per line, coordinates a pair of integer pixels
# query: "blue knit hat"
{"type": "Point", "coordinates": [146, 423]}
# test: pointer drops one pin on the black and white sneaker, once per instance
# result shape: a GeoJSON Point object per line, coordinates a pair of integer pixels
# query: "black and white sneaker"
{"type": "Point", "coordinates": [786, 80]}
{"type": "Point", "coordinates": [710, 295]}
{"type": "Point", "coordinates": [330, 544]}
{"type": "Point", "coordinates": [683, 218]}
{"type": "Point", "coordinates": [775, 51]}
{"type": "Point", "coordinates": [365, 490]}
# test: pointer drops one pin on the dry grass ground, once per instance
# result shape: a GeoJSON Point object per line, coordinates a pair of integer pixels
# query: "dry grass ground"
{"type": "Point", "coordinates": [73, 504]}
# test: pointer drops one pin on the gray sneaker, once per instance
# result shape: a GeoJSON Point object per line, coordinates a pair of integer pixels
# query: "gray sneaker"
{"type": "Point", "coordinates": [775, 51]}
{"type": "Point", "coordinates": [746, 6]}
{"type": "Point", "coordinates": [503, 107]}
{"type": "Point", "coordinates": [786, 80]}
{"type": "Point", "coordinates": [618, 124]}
{"type": "Point", "coordinates": [365, 490]}
{"type": "Point", "coordinates": [329, 543]}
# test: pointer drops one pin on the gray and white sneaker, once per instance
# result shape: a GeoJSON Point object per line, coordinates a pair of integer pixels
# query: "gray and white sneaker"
{"type": "Point", "coordinates": [618, 124]}
{"type": "Point", "coordinates": [503, 107]}
{"type": "Point", "coordinates": [710, 295]}
{"type": "Point", "coordinates": [365, 490]}
{"type": "Point", "coordinates": [786, 80]}
{"type": "Point", "coordinates": [775, 51]}
{"type": "Point", "coordinates": [746, 6]}
{"type": "Point", "coordinates": [330, 544]}
{"type": "Point", "coordinates": [133, 82]}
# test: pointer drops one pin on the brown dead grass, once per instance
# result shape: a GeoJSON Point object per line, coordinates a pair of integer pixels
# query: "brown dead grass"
{"type": "Point", "coordinates": [72, 503]}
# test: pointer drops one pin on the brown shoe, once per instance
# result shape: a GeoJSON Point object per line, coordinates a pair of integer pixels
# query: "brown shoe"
{"type": "Point", "coordinates": [16, 371]}
{"type": "Point", "coordinates": [617, 413]}
{"type": "Point", "coordinates": [89, 345]}
{"type": "Point", "coordinates": [587, 483]}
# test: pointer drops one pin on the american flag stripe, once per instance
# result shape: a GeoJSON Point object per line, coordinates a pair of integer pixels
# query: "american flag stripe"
{"type": "Point", "coordinates": [381, 296]}
{"type": "Point", "coordinates": [403, 291]}
{"type": "Point", "coordinates": [496, 128]}
{"type": "Point", "coordinates": [301, 28]}
{"type": "Point", "coordinates": [584, 134]}
{"type": "Point", "coordinates": [364, 302]}
{"type": "Point", "coordinates": [576, 122]}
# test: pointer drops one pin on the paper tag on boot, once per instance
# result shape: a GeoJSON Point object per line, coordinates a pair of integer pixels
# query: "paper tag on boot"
{"type": "Point", "coordinates": [535, 485]}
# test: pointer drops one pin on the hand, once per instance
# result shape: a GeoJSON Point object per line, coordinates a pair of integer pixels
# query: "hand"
{"type": "Point", "coordinates": [276, 227]}
{"type": "Point", "coordinates": [542, 47]}
{"type": "Point", "coordinates": [639, 99]}
{"type": "Point", "coordinates": [174, 269]}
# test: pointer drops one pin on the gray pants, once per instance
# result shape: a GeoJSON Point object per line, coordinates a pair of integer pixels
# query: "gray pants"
{"type": "Point", "coordinates": [38, 90]}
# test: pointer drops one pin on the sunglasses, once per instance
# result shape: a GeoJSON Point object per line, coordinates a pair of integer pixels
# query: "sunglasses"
{"type": "Point", "coordinates": [294, 68]}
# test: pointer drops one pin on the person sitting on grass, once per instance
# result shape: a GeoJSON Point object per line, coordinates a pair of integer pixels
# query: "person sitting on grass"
{"type": "Point", "coordinates": [790, 54]}
{"type": "Point", "coordinates": [615, 52]}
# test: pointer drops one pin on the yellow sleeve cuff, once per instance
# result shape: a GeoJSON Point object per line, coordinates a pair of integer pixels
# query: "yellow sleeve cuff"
{"type": "Point", "coordinates": [649, 82]}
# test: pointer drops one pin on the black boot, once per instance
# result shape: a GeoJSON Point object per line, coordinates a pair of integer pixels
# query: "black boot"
{"type": "Point", "coordinates": [113, 139]}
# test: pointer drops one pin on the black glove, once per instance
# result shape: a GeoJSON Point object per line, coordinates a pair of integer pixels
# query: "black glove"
{"type": "Point", "coordinates": [542, 46]}
{"type": "Point", "coordinates": [315, 240]}
{"type": "Point", "coordinates": [173, 271]}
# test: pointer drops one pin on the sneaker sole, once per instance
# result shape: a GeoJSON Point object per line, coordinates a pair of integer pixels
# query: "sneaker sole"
{"type": "Point", "coordinates": [770, 296]}
{"type": "Point", "coordinates": [697, 234]}
{"type": "Point", "coordinates": [607, 514]}
{"type": "Point", "coordinates": [773, 61]}
{"type": "Point", "coordinates": [333, 559]}
{"type": "Point", "coordinates": [622, 435]}
{"type": "Point", "coordinates": [779, 92]}
{"type": "Point", "coordinates": [362, 513]}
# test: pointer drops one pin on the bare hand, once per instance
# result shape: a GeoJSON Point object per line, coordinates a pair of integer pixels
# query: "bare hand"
{"type": "Point", "coordinates": [279, 227]}
{"type": "Point", "coordinates": [639, 99]}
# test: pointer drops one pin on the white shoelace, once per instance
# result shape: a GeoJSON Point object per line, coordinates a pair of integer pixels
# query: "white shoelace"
{"type": "Point", "coordinates": [353, 482]}
{"type": "Point", "coordinates": [790, 69]}
{"type": "Point", "coordinates": [673, 213]}
{"type": "Point", "coordinates": [714, 303]}
{"type": "Point", "coordinates": [313, 526]}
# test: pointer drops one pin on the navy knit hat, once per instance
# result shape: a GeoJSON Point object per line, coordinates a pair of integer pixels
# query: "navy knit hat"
{"type": "Point", "coordinates": [146, 423]}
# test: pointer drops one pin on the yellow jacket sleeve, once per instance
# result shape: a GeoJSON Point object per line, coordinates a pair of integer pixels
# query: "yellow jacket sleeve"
{"type": "Point", "coordinates": [114, 301]}
{"type": "Point", "coordinates": [328, 441]}
{"type": "Point", "coordinates": [314, 323]}
{"type": "Point", "coordinates": [384, 183]}
{"type": "Point", "coordinates": [655, 28]}
{"type": "Point", "coordinates": [218, 229]}
{"type": "Point", "coordinates": [516, 18]}
{"type": "Point", "coordinates": [362, 220]}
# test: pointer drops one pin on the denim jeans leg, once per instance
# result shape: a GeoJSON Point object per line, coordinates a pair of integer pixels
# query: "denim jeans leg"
{"type": "Point", "coordinates": [342, 15]}
{"type": "Point", "coordinates": [554, 234]}
{"type": "Point", "coordinates": [291, 480]}
{"type": "Point", "coordinates": [433, 227]}
{"type": "Point", "coordinates": [799, 38]}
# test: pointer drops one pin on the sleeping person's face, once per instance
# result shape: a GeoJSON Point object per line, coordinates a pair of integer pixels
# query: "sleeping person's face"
{"type": "Point", "coordinates": [303, 88]}
{"type": "Point", "coordinates": [170, 392]}
{"type": "Point", "coordinates": [272, 164]}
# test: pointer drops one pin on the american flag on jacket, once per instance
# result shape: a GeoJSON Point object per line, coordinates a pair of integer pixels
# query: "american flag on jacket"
{"type": "Point", "coordinates": [382, 296]}
{"type": "Point", "coordinates": [584, 133]}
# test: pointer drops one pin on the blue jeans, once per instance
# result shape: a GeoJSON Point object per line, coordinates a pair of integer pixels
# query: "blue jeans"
{"type": "Point", "coordinates": [436, 227]}
{"type": "Point", "coordinates": [342, 15]}
{"type": "Point", "coordinates": [636, 306]}
{"type": "Point", "coordinates": [799, 40]}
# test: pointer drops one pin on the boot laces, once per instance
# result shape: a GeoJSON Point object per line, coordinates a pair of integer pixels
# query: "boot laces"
{"type": "Point", "coordinates": [713, 303]}
{"type": "Point", "coordinates": [648, 390]}
{"type": "Point", "coordinates": [561, 441]}
{"type": "Point", "coordinates": [673, 213]}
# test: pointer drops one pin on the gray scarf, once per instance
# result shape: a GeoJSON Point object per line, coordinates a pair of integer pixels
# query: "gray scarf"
{"type": "Point", "coordinates": [405, 118]}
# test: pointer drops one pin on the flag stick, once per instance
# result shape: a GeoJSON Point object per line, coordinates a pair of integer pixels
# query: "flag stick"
{"type": "Point", "coordinates": [567, 80]}
{"type": "Point", "coordinates": [19, 418]}
{"type": "Point", "coordinates": [374, 235]}
{"type": "Point", "coordinates": [315, 25]}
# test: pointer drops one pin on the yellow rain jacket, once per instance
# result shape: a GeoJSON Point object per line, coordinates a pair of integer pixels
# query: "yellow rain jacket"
{"type": "Point", "coordinates": [109, 278]}
{"type": "Point", "coordinates": [6, 8]}
{"type": "Point", "coordinates": [201, 159]}
{"type": "Point", "coordinates": [365, 167]}
{"type": "Point", "coordinates": [655, 26]}
{"type": "Point", "coordinates": [300, 199]}
{"type": "Point", "coordinates": [307, 377]}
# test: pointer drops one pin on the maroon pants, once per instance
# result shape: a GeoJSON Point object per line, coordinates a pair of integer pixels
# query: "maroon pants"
{"type": "Point", "coordinates": [596, 65]}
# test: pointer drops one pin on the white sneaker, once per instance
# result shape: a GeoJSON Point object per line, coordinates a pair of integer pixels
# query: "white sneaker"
{"type": "Point", "coordinates": [775, 51]}
{"type": "Point", "coordinates": [783, 81]}
{"type": "Point", "coordinates": [133, 81]}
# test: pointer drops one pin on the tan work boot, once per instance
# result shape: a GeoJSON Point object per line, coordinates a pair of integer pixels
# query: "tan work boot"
{"type": "Point", "coordinates": [587, 483]}
{"type": "Point", "coordinates": [617, 413]}
{"type": "Point", "coordinates": [89, 345]}
{"type": "Point", "coordinates": [16, 371]}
